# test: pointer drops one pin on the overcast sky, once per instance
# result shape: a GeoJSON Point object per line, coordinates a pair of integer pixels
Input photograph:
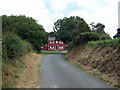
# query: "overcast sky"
{"type": "Point", "coordinates": [46, 12]}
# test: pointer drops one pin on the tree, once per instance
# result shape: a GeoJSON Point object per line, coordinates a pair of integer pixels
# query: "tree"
{"type": "Point", "coordinates": [51, 34]}
{"type": "Point", "coordinates": [26, 28]}
{"type": "Point", "coordinates": [99, 28]}
{"type": "Point", "coordinates": [65, 36]}
{"type": "Point", "coordinates": [72, 26]}
{"type": "Point", "coordinates": [85, 37]}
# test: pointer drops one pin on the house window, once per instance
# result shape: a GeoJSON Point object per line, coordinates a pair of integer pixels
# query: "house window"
{"type": "Point", "coordinates": [51, 41]}
{"type": "Point", "coordinates": [51, 47]}
{"type": "Point", "coordinates": [61, 41]}
{"type": "Point", "coordinates": [61, 47]}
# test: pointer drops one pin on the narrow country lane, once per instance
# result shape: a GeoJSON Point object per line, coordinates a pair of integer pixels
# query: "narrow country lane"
{"type": "Point", "coordinates": [58, 73]}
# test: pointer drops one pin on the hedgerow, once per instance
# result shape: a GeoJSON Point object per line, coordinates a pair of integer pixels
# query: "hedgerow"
{"type": "Point", "coordinates": [85, 37]}
{"type": "Point", "coordinates": [14, 47]}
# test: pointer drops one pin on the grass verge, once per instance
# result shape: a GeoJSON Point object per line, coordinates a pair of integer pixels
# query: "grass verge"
{"type": "Point", "coordinates": [50, 52]}
{"type": "Point", "coordinates": [66, 59]}
{"type": "Point", "coordinates": [111, 42]}
{"type": "Point", "coordinates": [10, 72]}
{"type": "Point", "coordinates": [30, 77]}
{"type": "Point", "coordinates": [24, 73]}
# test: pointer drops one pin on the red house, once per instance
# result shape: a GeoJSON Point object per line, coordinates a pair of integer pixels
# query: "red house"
{"type": "Point", "coordinates": [54, 45]}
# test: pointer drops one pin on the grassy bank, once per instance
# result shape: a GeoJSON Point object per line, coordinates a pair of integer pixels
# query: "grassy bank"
{"type": "Point", "coordinates": [110, 42]}
{"type": "Point", "coordinates": [30, 76]}
{"type": "Point", "coordinates": [100, 58]}
{"type": "Point", "coordinates": [23, 73]}
{"type": "Point", "coordinates": [11, 71]}
{"type": "Point", "coordinates": [14, 51]}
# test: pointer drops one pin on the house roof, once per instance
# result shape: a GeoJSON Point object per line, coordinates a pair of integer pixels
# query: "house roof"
{"type": "Point", "coordinates": [51, 38]}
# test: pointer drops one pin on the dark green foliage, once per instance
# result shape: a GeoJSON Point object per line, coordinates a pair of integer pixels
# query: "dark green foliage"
{"type": "Point", "coordinates": [70, 45]}
{"type": "Point", "coordinates": [75, 31]}
{"type": "Point", "coordinates": [76, 40]}
{"type": "Point", "coordinates": [70, 27]}
{"type": "Point", "coordinates": [20, 35]}
{"type": "Point", "coordinates": [82, 39]}
{"type": "Point", "coordinates": [27, 28]}
{"type": "Point", "coordinates": [65, 36]}
{"type": "Point", "coordinates": [12, 46]}
{"type": "Point", "coordinates": [99, 28]}
{"type": "Point", "coordinates": [104, 36]}
{"type": "Point", "coordinates": [27, 47]}
{"type": "Point", "coordinates": [70, 24]}
{"type": "Point", "coordinates": [85, 37]}
{"type": "Point", "coordinates": [51, 34]}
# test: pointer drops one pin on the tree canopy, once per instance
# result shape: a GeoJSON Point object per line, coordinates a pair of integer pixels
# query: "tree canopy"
{"type": "Point", "coordinates": [26, 28]}
{"type": "Point", "coordinates": [76, 29]}
{"type": "Point", "coordinates": [68, 28]}
{"type": "Point", "coordinates": [99, 28]}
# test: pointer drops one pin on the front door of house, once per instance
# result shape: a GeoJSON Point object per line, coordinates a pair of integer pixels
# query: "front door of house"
{"type": "Point", "coordinates": [56, 47]}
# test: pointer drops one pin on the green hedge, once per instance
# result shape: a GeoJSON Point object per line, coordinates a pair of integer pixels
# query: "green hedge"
{"type": "Point", "coordinates": [13, 46]}
{"type": "Point", "coordinates": [27, 47]}
{"type": "Point", "coordinates": [85, 37]}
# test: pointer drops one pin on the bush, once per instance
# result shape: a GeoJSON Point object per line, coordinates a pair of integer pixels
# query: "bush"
{"type": "Point", "coordinates": [76, 40]}
{"type": "Point", "coordinates": [27, 47]}
{"type": "Point", "coordinates": [89, 36]}
{"type": "Point", "coordinates": [26, 28]}
{"type": "Point", "coordinates": [85, 37]}
{"type": "Point", "coordinates": [70, 45]}
{"type": "Point", "coordinates": [104, 36]}
{"type": "Point", "coordinates": [12, 46]}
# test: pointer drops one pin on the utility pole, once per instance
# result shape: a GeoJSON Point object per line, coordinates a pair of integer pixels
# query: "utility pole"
{"type": "Point", "coordinates": [118, 14]}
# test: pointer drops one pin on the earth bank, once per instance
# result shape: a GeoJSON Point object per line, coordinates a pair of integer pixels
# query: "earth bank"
{"type": "Point", "coordinates": [100, 60]}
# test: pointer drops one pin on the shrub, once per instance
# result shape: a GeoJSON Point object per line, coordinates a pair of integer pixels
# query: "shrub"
{"type": "Point", "coordinates": [27, 28]}
{"type": "Point", "coordinates": [12, 46]}
{"type": "Point", "coordinates": [27, 47]}
{"type": "Point", "coordinates": [89, 36]}
{"type": "Point", "coordinates": [85, 37]}
{"type": "Point", "coordinates": [76, 40]}
{"type": "Point", "coordinates": [104, 36]}
{"type": "Point", "coordinates": [4, 52]}
{"type": "Point", "coordinates": [70, 45]}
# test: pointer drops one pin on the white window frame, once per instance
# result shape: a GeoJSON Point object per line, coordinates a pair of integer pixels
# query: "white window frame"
{"type": "Point", "coordinates": [51, 47]}
{"type": "Point", "coordinates": [61, 47]}
{"type": "Point", "coordinates": [61, 42]}
{"type": "Point", "coordinates": [51, 41]}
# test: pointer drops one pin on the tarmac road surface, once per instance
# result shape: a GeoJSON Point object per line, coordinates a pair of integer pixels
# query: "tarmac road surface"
{"type": "Point", "coordinates": [58, 73]}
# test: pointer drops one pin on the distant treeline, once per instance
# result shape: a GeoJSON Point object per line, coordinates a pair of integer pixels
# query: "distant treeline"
{"type": "Point", "coordinates": [75, 31]}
